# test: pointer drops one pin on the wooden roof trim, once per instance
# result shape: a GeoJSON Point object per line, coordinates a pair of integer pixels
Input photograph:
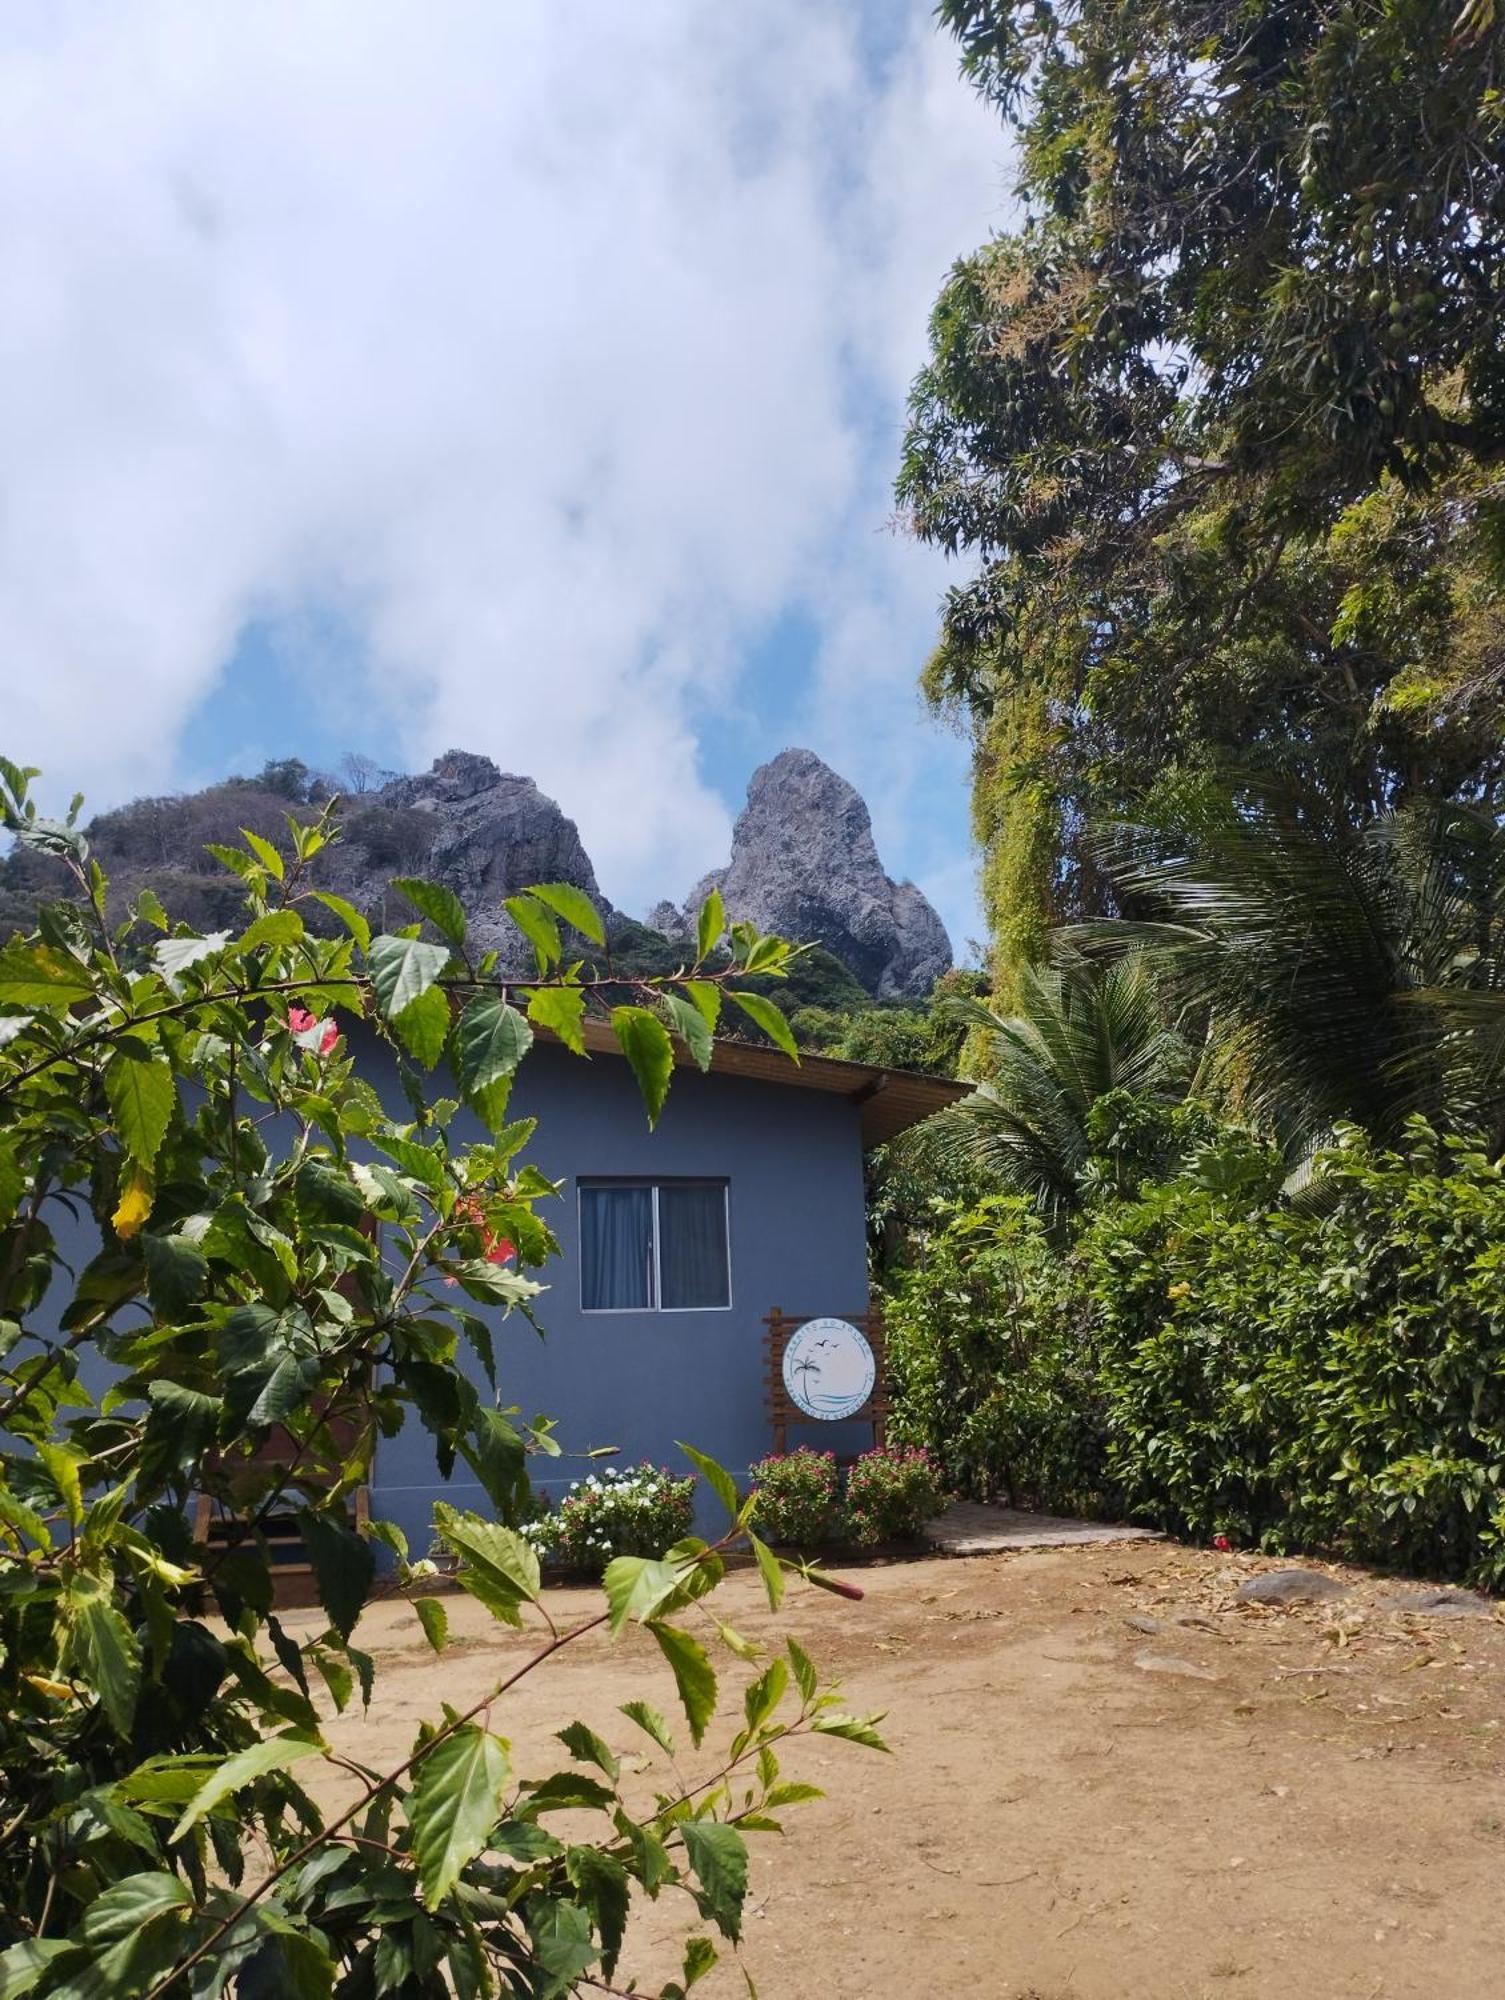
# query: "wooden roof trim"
{"type": "Point", "coordinates": [889, 1101]}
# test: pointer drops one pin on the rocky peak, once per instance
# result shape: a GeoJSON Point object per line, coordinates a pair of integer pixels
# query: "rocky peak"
{"type": "Point", "coordinates": [489, 834]}
{"type": "Point", "coordinates": [804, 864]}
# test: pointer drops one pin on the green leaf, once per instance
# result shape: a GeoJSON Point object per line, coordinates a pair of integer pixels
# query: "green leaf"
{"type": "Point", "coordinates": [560, 1009]}
{"type": "Point", "coordinates": [455, 1802]}
{"type": "Point", "coordinates": [710, 925]}
{"type": "Point", "coordinates": [492, 1283]}
{"type": "Point", "coordinates": [768, 1017]}
{"type": "Point", "coordinates": [422, 1163]}
{"type": "Point", "coordinates": [645, 1042]}
{"type": "Point", "coordinates": [402, 968]}
{"type": "Point", "coordinates": [637, 1586]}
{"type": "Point", "coordinates": [700, 1956]}
{"type": "Point", "coordinates": [128, 1904]}
{"type": "Point", "coordinates": [265, 853]}
{"type": "Point", "coordinates": [538, 927]}
{"type": "Point", "coordinates": [498, 1567]}
{"type": "Point", "coordinates": [494, 1451]}
{"type": "Point", "coordinates": [852, 1729]}
{"type": "Point", "coordinates": [180, 1427]}
{"type": "Point", "coordinates": [792, 1793]}
{"type": "Point", "coordinates": [805, 1677]}
{"type": "Point", "coordinates": [12, 1183]}
{"type": "Point", "coordinates": [35, 975]}
{"type": "Point", "coordinates": [434, 1619]}
{"type": "Point", "coordinates": [490, 1040]}
{"type": "Point", "coordinates": [344, 1564]}
{"type": "Point", "coordinates": [706, 995]}
{"type": "Point", "coordinates": [23, 1964]}
{"type": "Point", "coordinates": [694, 1676]}
{"type": "Point", "coordinates": [102, 1648]}
{"type": "Point", "coordinates": [601, 1882]}
{"type": "Point", "coordinates": [423, 1026]}
{"type": "Point", "coordinates": [176, 955]}
{"type": "Point", "coordinates": [13, 1026]}
{"type": "Point", "coordinates": [763, 1696]}
{"type": "Point", "coordinates": [275, 927]}
{"type": "Point", "coordinates": [289, 1965]}
{"type": "Point", "coordinates": [272, 1753]}
{"type": "Point", "coordinates": [439, 904]}
{"type": "Point", "coordinates": [348, 915]}
{"type": "Point", "coordinates": [142, 1093]}
{"type": "Point", "coordinates": [717, 1478]}
{"type": "Point", "coordinates": [691, 1026]}
{"type": "Point", "coordinates": [176, 1273]}
{"type": "Point", "coordinates": [149, 909]}
{"type": "Point", "coordinates": [560, 1934]}
{"type": "Point", "coordinates": [718, 1855]}
{"type": "Point", "coordinates": [651, 1722]}
{"type": "Point", "coordinates": [771, 1570]}
{"type": "Point", "coordinates": [583, 1742]}
{"type": "Point", "coordinates": [573, 905]}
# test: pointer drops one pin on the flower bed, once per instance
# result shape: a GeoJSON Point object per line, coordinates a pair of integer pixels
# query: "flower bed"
{"type": "Point", "coordinates": [888, 1496]}
{"type": "Point", "coordinates": [638, 1510]}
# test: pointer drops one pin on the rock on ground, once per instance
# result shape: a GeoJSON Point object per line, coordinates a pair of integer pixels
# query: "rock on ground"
{"type": "Point", "coordinates": [1290, 1586]}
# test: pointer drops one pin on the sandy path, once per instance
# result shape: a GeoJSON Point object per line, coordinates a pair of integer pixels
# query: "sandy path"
{"type": "Point", "coordinates": [1322, 1817]}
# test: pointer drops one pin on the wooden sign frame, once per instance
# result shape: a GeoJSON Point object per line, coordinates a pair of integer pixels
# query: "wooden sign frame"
{"type": "Point", "coordinates": [782, 1408]}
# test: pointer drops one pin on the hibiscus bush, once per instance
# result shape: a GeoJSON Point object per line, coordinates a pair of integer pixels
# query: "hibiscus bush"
{"type": "Point", "coordinates": [639, 1510]}
{"type": "Point", "coordinates": [888, 1494]}
{"type": "Point", "coordinates": [891, 1493]}
{"type": "Point", "coordinates": [227, 1269]}
{"type": "Point", "coordinates": [799, 1498]}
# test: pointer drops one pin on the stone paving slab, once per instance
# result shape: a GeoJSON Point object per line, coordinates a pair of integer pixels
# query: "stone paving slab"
{"type": "Point", "coordinates": [980, 1527]}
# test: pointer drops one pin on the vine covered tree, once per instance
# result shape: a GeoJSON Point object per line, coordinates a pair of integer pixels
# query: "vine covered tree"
{"type": "Point", "coordinates": [1221, 423]}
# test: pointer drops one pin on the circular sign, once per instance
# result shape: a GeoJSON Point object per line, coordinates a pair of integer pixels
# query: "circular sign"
{"type": "Point", "coordinates": [829, 1369]}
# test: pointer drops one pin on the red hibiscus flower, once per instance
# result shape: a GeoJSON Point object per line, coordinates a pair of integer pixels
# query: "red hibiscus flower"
{"type": "Point", "coordinates": [1222, 1542]}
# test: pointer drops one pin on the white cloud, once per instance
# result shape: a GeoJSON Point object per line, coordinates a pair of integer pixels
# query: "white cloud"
{"type": "Point", "coordinates": [557, 348]}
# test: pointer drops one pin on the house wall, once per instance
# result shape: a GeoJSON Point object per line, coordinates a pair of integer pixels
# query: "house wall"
{"type": "Point", "coordinates": [641, 1380]}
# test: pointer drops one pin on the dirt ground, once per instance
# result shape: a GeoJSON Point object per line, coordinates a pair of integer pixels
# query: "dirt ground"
{"type": "Point", "coordinates": [1110, 1781]}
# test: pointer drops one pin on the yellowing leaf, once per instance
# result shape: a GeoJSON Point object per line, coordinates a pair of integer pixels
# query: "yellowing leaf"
{"type": "Point", "coordinates": [137, 1192]}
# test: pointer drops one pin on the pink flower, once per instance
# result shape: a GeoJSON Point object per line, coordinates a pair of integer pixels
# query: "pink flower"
{"type": "Point", "coordinates": [301, 1022]}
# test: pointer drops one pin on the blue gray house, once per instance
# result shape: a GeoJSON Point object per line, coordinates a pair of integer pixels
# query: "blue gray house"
{"type": "Point", "coordinates": [676, 1242]}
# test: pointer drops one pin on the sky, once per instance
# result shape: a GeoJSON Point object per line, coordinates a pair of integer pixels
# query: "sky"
{"type": "Point", "coordinates": [524, 378]}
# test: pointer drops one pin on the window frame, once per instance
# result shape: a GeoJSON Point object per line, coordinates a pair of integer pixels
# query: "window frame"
{"type": "Point", "coordinates": [654, 1305]}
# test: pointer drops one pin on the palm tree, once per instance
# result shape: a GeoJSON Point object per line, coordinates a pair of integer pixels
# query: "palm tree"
{"type": "Point", "coordinates": [1084, 1030]}
{"type": "Point", "coordinates": [1341, 973]}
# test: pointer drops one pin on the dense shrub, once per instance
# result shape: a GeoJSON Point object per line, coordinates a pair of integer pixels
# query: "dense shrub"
{"type": "Point", "coordinates": [799, 1498]}
{"type": "Point", "coordinates": [990, 1356]}
{"type": "Point", "coordinates": [639, 1510]}
{"type": "Point", "coordinates": [891, 1493]}
{"type": "Point", "coordinates": [888, 1495]}
{"type": "Point", "coordinates": [1326, 1376]}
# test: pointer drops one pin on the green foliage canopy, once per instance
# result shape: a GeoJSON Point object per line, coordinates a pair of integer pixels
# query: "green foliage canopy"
{"type": "Point", "coordinates": [1221, 423]}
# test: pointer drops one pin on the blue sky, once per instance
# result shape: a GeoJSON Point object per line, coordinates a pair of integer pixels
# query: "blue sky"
{"type": "Point", "coordinates": [528, 379]}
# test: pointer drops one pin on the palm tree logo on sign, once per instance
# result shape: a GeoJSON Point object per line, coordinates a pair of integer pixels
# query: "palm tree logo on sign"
{"type": "Point", "coordinates": [829, 1369]}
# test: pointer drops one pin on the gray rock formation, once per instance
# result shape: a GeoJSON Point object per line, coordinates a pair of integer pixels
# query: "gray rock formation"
{"type": "Point", "coordinates": [803, 861]}
{"type": "Point", "coordinates": [486, 833]}
{"type": "Point", "coordinates": [804, 864]}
